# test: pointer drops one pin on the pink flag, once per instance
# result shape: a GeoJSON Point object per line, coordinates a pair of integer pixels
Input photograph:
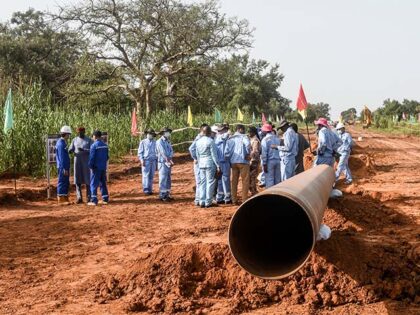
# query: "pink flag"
{"type": "Point", "coordinates": [264, 121]}
{"type": "Point", "coordinates": [134, 130]}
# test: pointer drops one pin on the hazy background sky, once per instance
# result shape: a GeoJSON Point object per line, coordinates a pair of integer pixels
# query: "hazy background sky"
{"type": "Point", "coordinates": [345, 53]}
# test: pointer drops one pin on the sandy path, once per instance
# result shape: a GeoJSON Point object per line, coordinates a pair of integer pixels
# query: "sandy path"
{"type": "Point", "coordinates": [53, 259]}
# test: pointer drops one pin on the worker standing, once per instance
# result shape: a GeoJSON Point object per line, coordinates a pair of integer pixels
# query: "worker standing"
{"type": "Point", "coordinates": [270, 156]}
{"type": "Point", "coordinates": [63, 166]}
{"type": "Point", "coordinates": [288, 150]}
{"type": "Point", "coordinates": [238, 150]}
{"type": "Point", "coordinates": [98, 163]}
{"type": "Point", "coordinates": [255, 159]}
{"type": "Point", "coordinates": [148, 160]}
{"type": "Point", "coordinates": [80, 146]}
{"type": "Point", "coordinates": [209, 166]}
{"type": "Point", "coordinates": [223, 184]}
{"type": "Point", "coordinates": [165, 162]}
{"type": "Point", "coordinates": [328, 143]}
{"type": "Point", "coordinates": [344, 150]}
{"type": "Point", "coordinates": [193, 153]}
{"type": "Point", "coordinates": [302, 146]}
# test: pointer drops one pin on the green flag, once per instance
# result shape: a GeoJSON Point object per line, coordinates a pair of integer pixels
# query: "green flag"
{"type": "Point", "coordinates": [8, 112]}
{"type": "Point", "coordinates": [217, 116]}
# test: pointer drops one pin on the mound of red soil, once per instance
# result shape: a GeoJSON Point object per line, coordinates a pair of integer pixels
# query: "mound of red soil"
{"type": "Point", "coordinates": [183, 278]}
{"type": "Point", "coordinates": [9, 198]}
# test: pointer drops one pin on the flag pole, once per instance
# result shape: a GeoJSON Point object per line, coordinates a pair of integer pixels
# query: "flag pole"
{"type": "Point", "coordinates": [307, 130]}
{"type": "Point", "coordinates": [14, 162]}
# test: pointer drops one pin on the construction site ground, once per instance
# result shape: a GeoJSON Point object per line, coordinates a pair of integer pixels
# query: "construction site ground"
{"type": "Point", "coordinates": [138, 254]}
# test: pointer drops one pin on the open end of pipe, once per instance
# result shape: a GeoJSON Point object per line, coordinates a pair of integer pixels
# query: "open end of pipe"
{"type": "Point", "coordinates": [270, 236]}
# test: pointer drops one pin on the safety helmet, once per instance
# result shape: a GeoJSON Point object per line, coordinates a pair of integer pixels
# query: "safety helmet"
{"type": "Point", "coordinates": [65, 129]}
{"type": "Point", "coordinates": [339, 126]}
{"type": "Point", "coordinates": [214, 129]}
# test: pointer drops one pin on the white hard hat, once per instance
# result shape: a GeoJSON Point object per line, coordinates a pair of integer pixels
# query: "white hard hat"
{"type": "Point", "coordinates": [65, 129]}
{"type": "Point", "coordinates": [339, 126]}
{"type": "Point", "coordinates": [214, 129]}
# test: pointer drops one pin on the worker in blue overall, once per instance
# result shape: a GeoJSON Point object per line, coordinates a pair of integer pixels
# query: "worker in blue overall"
{"type": "Point", "coordinates": [223, 185]}
{"type": "Point", "coordinates": [288, 150]}
{"type": "Point", "coordinates": [270, 156]}
{"type": "Point", "coordinates": [98, 162]}
{"type": "Point", "coordinates": [148, 160]}
{"type": "Point", "coordinates": [344, 150]}
{"type": "Point", "coordinates": [328, 144]}
{"type": "Point", "coordinates": [165, 162]}
{"type": "Point", "coordinates": [193, 153]}
{"type": "Point", "coordinates": [63, 166]}
{"type": "Point", "coordinates": [209, 166]}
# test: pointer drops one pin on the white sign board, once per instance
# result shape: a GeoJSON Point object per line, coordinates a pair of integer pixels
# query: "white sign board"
{"type": "Point", "coordinates": [51, 143]}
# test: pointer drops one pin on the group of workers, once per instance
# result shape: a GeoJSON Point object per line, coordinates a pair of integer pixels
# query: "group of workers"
{"type": "Point", "coordinates": [90, 166]}
{"type": "Point", "coordinates": [221, 158]}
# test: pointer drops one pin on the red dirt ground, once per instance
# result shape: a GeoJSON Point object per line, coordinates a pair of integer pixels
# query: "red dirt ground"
{"type": "Point", "coordinates": [139, 255]}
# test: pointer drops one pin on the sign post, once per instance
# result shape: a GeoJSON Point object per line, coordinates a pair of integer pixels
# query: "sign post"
{"type": "Point", "coordinates": [50, 143]}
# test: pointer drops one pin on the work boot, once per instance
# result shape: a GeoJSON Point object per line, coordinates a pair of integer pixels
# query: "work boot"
{"type": "Point", "coordinates": [63, 200]}
{"type": "Point", "coordinates": [91, 203]}
{"type": "Point", "coordinates": [79, 201]}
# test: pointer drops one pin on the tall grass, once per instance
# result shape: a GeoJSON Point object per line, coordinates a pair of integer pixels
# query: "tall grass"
{"type": "Point", "coordinates": [35, 116]}
{"type": "Point", "coordinates": [388, 125]}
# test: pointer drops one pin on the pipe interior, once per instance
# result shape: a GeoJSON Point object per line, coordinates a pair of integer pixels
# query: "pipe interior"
{"type": "Point", "coordinates": [270, 236]}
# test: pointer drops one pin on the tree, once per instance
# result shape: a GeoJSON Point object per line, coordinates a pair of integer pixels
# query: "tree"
{"type": "Point", "coordinates": [349, 114]}
{"type": "Point", "coordinates": [318, 110]}
{"type": "Point", "coordinates": [148, 41]}
{"type": "Point", "coordinates": [32, 49]}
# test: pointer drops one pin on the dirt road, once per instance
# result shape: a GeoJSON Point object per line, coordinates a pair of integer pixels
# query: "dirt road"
{"type": "Point", "coordinates": [138, 254]}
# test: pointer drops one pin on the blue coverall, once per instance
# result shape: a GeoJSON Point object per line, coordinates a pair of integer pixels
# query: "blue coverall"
{"type": "Point", "coordinates": [63, 164]}
{"type": "Point", "coordinates": [328, 142]}
{"type": "Point", "coordinates": [288, 153]}
{"type": "Point", "coordinates": [193, 153]}
{"type": "Point", "coordinates": [165, 154]}
{"type": "Point", "coordinates": [207, 162]}
{"type": "Point", "coordinates": [271, 158]}
{"type": "Point", "coordinates": [148, 157]}
{"type": "Point", "coordinates": [98, 160]}
{"type": "Point", "coordinates": [343, 163]}
{"type": "Point", "coordinates": [223, 184]}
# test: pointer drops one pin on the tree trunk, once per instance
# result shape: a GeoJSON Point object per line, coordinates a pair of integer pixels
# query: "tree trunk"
{"type": "Point", "coordinates": [170, 93]}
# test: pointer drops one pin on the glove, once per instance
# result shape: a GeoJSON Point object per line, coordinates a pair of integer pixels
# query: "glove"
{"type": "Point", "coordinates": [219, 173]}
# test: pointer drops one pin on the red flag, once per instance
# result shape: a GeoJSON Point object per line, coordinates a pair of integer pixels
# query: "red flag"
{"type": "Point", "coordinates": [301, 103]}
{"type": "Point", "coordinates": [134, 131]}
{"type": "Point", "coordinates": [264, 121]}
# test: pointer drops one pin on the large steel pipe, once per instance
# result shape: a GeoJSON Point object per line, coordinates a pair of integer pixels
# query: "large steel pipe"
{"type": "Point", "coordinates": [272, 234]}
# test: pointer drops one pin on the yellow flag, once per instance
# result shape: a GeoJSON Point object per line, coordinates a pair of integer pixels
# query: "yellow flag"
{"type": "Point", "coordinates": [190, 117]}
{"type": "Point", "coordinates": [240, 116]}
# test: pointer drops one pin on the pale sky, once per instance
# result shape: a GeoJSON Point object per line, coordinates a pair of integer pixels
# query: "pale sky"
{"type": "Point", "coordinates": [345, 53]}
